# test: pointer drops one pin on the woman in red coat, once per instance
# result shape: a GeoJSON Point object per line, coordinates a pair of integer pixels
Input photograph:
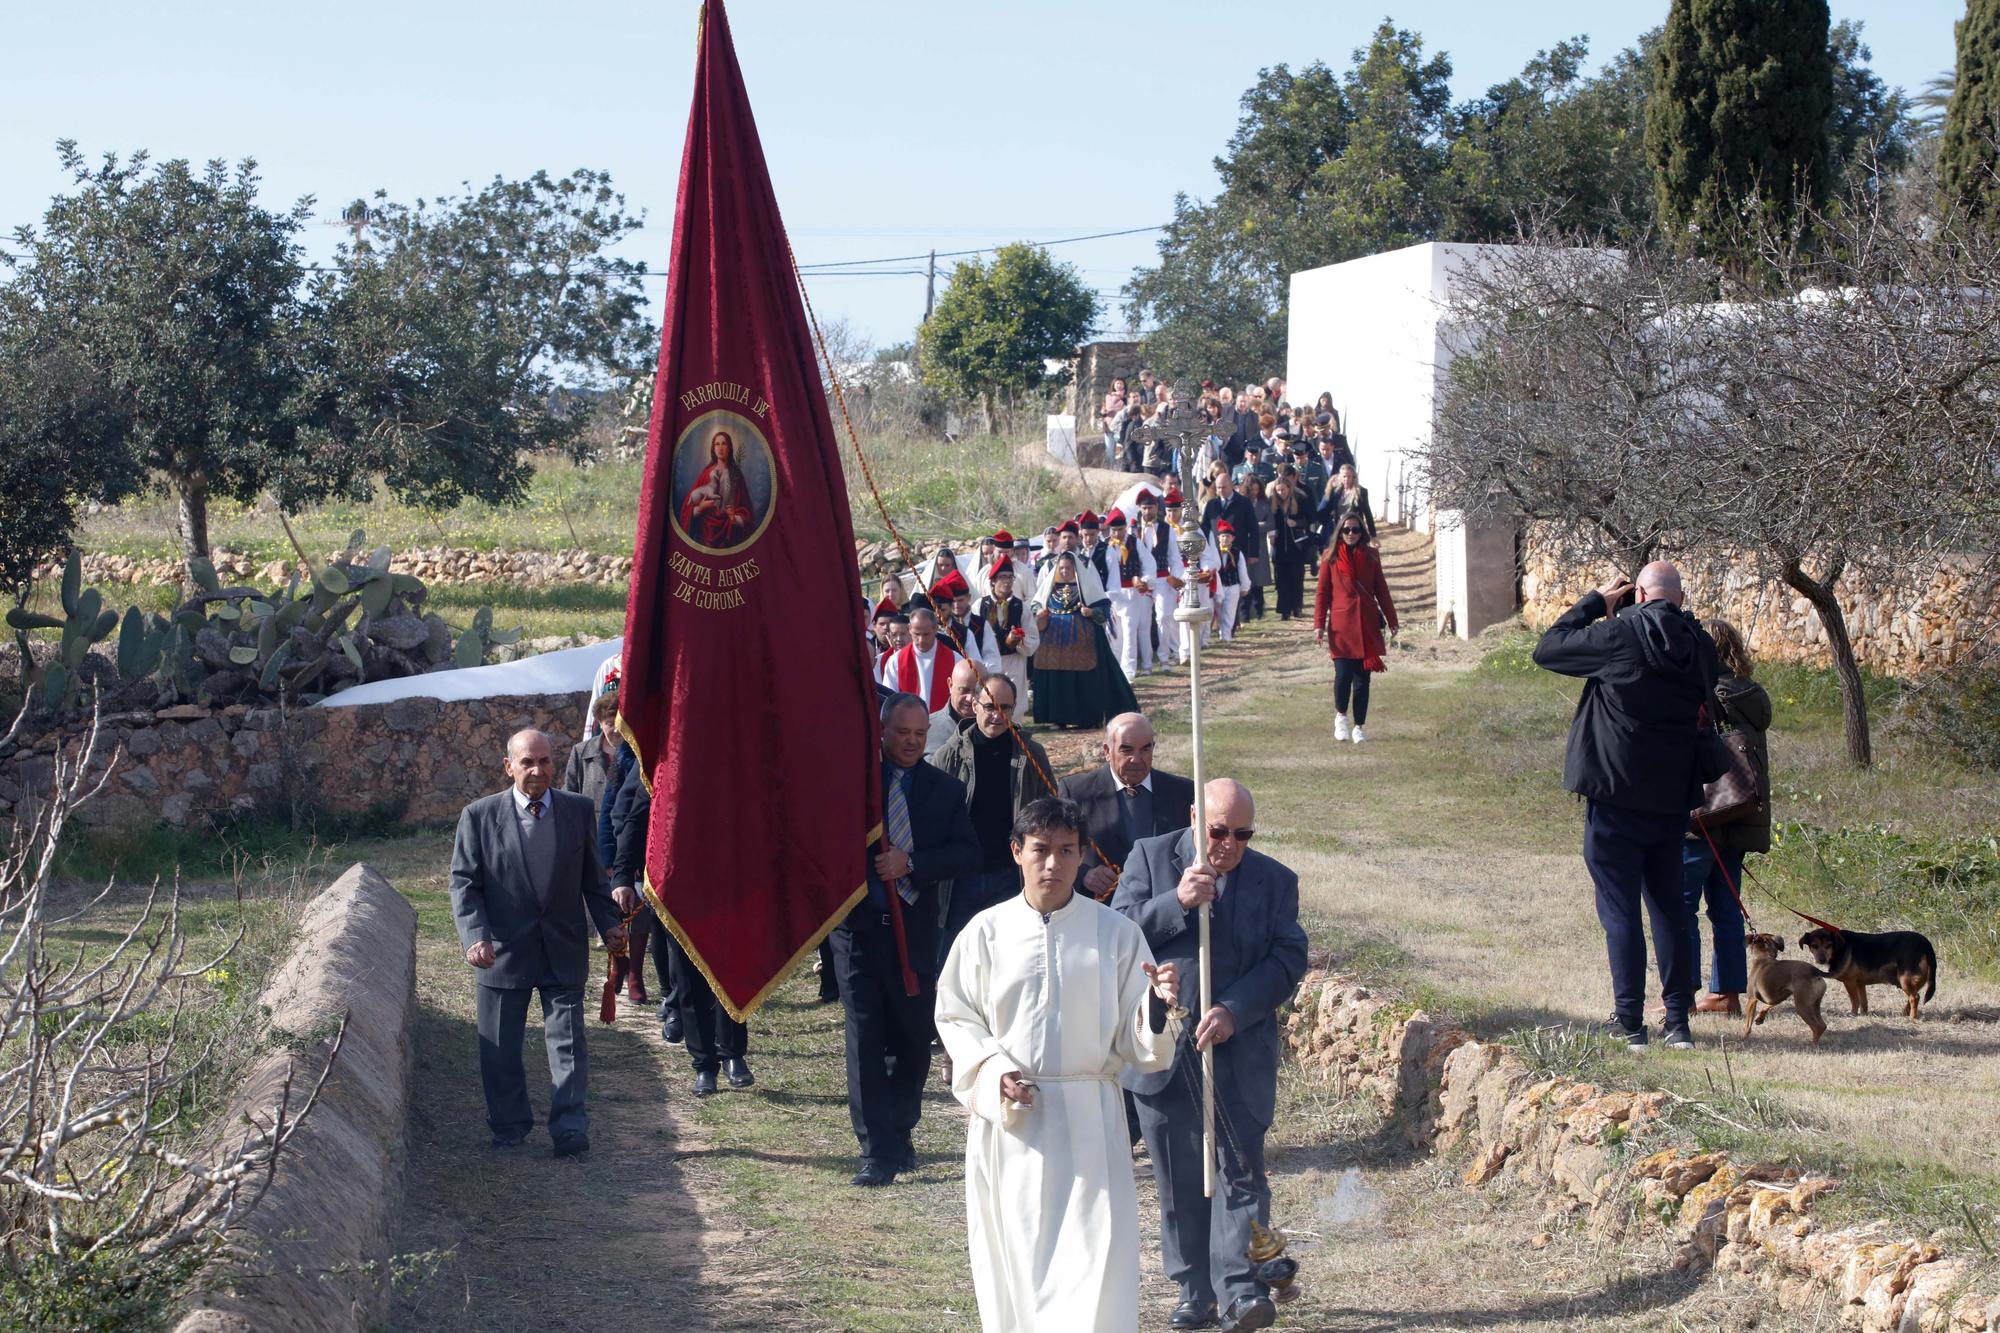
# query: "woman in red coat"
{"type": "Point", "coordinates": [1348, 611]}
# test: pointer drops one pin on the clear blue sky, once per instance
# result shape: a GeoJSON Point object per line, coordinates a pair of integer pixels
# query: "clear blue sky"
{"type": "Point", "coordinates": [891, 126]}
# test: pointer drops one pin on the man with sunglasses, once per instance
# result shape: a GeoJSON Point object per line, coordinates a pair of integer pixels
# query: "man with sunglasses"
{"type": "Point", "coordinates": [1258, 955]}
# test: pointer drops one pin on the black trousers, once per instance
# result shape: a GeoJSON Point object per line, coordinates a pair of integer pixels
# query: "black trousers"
{"type": "Point", "coordinates": [1350, 678]}
{"type": "Point", "coordinates": [1635, 855]}
{"type": "Point", "coordinates": [888, 1032]}
{"type": "Point", "coordinates": [1205, 1243]}
{"type": "Point", "coordinates": [666, 965]}
{"type": "Point", "coordinates": [712, 1036]}
{"type": "Point", "coordinates": [1290, 577]}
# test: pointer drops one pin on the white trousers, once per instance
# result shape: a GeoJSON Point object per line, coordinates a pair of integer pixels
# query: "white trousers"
{"type": "Point", "coordinates": [1014, 666]}
{"type": "Point", "coordinates": [1226, 599]}
{"type": "Point", "coordinates": [1165, 599]}
{"type": "Point", "coordinates": [1132, 615]}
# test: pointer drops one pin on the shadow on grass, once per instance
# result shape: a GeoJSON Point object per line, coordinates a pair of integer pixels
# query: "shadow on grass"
{"type": "Point", "coordinates": [1640, 1292]}
{"type": "Point", "coordinates": [519, 1240]}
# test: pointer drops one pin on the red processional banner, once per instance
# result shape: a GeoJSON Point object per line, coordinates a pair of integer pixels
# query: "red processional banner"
{"type": "Point", "coordinates": [747, 694]}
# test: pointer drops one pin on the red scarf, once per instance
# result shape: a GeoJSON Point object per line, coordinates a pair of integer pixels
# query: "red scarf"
{"type": "Point", "coordinates": [1351, 564]}
{"type": "Point", "coordinates": [908, 679]}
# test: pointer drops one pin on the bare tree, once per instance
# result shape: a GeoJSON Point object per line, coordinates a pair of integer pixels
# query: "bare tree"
{"type": "Point", "coordinates": [1562, 403]}
{"type": "Point", "coordinates": [1853, 421]}
{"type": "Point", "coordinates": [96, 1071]}
{"type": "Point", "coordinates": [1830, 408]}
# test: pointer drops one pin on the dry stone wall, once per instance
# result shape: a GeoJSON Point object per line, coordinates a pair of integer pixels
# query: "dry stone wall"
{"type": "Point", "coordinates": [434, 565]}
{"type": "Point", "coordinates": [421, 760]}
{"type": "Point", "coordinates": [1613, 1159]}
{"type": "Point", "coordinates": [1900, 627]}
{"type": "Point", "coordinates": [316, 1248]}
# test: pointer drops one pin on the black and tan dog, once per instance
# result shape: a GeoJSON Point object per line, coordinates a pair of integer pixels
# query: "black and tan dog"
{"type": "Point", "coordinates": [1774, 980]}
{"type": "Point", "coordinates": [1858, 960]}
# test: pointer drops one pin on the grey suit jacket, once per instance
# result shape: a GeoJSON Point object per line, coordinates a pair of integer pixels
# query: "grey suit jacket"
{"type": "Point", "coordinates": [1258, 957]}
{"type": "Point", "coordinates": [535, 936]}
{"type": "Point", "coordinates": [1096, 794]}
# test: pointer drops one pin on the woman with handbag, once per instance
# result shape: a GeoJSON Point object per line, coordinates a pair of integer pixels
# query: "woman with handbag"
{"type": "Point", "coordinates": [1291, 543]}
{"type": "Point", "coordinates": [1349, 610]}
{"type": "Point", "coordinates": [1707, 872]}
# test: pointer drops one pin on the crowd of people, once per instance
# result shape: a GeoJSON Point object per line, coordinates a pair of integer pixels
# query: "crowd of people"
{"type": "Point", "coordinates": [1050, 920]}
{"type": "Point", "coordinates": [1076, 617]}
{"type": "Point", "coordinates": [1051, 924]}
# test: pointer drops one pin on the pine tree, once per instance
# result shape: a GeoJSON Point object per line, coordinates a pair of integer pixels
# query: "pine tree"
{"type": "Point", "coordinates": [1742, 99]}
{"type": "Point", "coordinates": [1967, 161]}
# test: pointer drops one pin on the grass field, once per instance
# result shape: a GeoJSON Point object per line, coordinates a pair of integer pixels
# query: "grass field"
{"type": "Point", "coordinates": [1443, 858]}
{"type": "Point", "coordinates": [1440, 860]}
{"type": "Point", "coordinates": [933, 488]}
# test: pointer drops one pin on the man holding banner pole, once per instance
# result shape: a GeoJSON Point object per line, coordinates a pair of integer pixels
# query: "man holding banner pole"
{"type": "Point", "coordinates": [890, 991]}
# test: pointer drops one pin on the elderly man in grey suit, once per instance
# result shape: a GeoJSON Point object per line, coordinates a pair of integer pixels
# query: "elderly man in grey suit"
{"type": "Point", "coordinates": [1258, 955]}
{"type": "Point", "coordinates": [524, 875]}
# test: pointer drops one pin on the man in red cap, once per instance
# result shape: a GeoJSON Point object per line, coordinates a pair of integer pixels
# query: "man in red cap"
{"type": "Point", "coordinates": [1013, 629]}
{"type": "Point", "coordinates": [1094, 549]}
{"type": "Point", "coordinates": [972, 639]}
{"type": "Point", "coordinates": [1132, 585]}
{"type": "Point", "coordinates": [1162, 543]}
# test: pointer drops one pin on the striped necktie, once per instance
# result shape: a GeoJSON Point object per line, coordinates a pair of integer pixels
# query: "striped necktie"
{"type": "Point", "coordinates": [896, 814]}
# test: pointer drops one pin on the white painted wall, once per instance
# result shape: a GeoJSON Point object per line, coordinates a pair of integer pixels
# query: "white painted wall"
{"type": "Point", "coordinates": [1369, 331]}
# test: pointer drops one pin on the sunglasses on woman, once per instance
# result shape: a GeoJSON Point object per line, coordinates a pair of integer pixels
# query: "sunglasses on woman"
{"type": "Point", "coordinates": [1349, 532]}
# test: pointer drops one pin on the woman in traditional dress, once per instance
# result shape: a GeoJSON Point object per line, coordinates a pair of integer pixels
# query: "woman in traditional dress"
{"type": "Point", "coordinates": [1078, 682]}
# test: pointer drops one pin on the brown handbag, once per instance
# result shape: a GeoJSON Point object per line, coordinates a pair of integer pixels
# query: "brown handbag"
{"type": "Point", "coordinates": [1736, 794]}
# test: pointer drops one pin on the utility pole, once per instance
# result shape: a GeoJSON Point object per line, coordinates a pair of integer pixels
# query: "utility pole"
{"type": "Point", "coordinates": [930, 288]}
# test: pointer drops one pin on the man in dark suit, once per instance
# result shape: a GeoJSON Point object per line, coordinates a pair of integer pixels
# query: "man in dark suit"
{"type": "Point", "coordinates": [1125, 800]}
{"type": "Point", "coordinates": [931, 839]}
{"type": "Point", "coordinates": [1258, 955]}
{"type": "Point", "coordinates": [524, 873]}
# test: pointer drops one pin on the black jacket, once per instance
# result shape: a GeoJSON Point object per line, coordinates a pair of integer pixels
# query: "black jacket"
{"type": "Point", "coordinates": [1746, 704]}
{"type": "Point", "coordinates": [1096, 795]}
{"type": "Point", "coordinates": [947, 846]}
{"type": "Point", "coordinates": [1647, 670]}
{"type": "Point", "coordinates": [1242, 516]}
{"type": "Point", "coordinates": [631, 815]}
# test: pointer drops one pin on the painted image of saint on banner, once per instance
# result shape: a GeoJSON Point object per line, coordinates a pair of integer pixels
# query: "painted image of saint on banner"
{"type": "Point", "coordinates": [723, 483]}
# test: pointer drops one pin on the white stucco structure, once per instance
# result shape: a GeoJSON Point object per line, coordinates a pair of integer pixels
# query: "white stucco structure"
{"type": "Point", "coordinates": [1372, 333]}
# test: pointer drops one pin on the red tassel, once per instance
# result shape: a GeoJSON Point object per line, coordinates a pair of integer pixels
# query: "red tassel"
{"type": "Point", "coordinates": [607, 1011]}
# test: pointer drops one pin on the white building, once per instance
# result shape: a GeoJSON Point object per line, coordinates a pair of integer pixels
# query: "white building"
{"type": "Point", "coordinates": [1373, 332]}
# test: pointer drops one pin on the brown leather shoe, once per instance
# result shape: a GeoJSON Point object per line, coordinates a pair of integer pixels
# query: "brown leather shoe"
{"type": "Point", "coordinates": [1729, 1003]}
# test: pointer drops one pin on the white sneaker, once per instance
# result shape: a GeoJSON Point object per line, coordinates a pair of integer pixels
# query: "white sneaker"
{"type": "Point", "coordinates": [1360, 734]}
{"type": "Point", "coordinates": [1341, 730]}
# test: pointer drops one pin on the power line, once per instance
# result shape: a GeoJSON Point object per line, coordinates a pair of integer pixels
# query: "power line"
{"type": "Point", "coordinates": [850, 268]}
{"type": "Point", "coordinates": [985, 250]}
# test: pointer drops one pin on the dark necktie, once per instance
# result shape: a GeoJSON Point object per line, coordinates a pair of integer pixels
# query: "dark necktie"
{"type": "Point", "coordinates": [535, 808]}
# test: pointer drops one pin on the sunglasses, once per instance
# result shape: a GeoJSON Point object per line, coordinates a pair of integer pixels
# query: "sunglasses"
{"type": "Point", "coordinates": [1218, 833]}
{"type": "Point", "coordinates": [1347, 531]}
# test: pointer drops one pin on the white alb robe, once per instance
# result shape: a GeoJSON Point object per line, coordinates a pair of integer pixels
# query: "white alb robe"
{"type": "Point", "coordinates": [1052, 1216]}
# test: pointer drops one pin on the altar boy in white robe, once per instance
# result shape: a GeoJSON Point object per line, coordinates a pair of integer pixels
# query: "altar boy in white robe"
{"type": "Point", "coordinates": [1042, 1001]}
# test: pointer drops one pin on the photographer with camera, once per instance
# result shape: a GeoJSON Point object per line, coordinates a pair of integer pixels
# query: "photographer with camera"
{"type": "Point", "coordinates": [1635, 755]}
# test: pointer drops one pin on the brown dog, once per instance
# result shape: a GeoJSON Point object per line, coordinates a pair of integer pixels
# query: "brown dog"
{"type": "Point", "coordinates": [1858, 960]}
{"type": "Point", "coordinates": [1772, 981]}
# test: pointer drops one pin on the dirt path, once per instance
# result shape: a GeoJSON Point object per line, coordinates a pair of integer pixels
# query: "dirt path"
{"type": "Point", "coordinates": [735, 1213]}
{"type": "Point", "coordinates": [518, 1240]}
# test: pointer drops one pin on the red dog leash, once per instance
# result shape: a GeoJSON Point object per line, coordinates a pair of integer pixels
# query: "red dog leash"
{"type": "Point", "coordinates": [1716, 852]}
